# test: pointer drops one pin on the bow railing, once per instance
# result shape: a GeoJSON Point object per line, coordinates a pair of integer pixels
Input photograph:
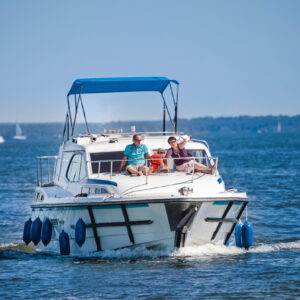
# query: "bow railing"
{"type": "Point", "coordinates": [111, 167]}
{"type": "Point", "coordinates": [45, 169]}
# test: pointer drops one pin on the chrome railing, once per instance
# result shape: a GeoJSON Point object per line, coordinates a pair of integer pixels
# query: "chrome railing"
{"type": "Point", "coordinates": [204, 142]}
{"type": "Point", "coordinates": [49, 164]}
{"type": "Point", "coordinates": [207, 161]}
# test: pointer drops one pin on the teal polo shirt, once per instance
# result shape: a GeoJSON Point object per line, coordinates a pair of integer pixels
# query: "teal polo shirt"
{"type": "Point", "coordinates": [138, 153]}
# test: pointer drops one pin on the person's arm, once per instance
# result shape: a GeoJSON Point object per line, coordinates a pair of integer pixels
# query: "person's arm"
{"type": "Point", "coordinates": [166, 160]}
{"type": "Point", "coordinates": [146, 152]}
{"type": "Point", "coordinates": [182, 144]}
{"type": "Point", "coordinates": [122, 164]}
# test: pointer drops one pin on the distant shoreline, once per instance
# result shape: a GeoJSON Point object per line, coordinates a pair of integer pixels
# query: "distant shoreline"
{"type": "Point", "coordinates": [194, 126]}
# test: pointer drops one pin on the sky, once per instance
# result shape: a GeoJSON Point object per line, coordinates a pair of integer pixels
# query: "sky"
{"type": "Point", "coordinates": [231, 57]}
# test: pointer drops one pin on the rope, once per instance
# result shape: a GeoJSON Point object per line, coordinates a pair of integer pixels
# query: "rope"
{"type": "Point", "coordinates": [86, 124]}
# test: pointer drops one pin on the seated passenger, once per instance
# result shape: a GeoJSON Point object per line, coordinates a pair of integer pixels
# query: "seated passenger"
{"type": "Point", "coordinates": [157, 163]}
{"type": "Point", "coordinates": [137, 153]}
{"type": "Point", "coordinates": [184, 163]}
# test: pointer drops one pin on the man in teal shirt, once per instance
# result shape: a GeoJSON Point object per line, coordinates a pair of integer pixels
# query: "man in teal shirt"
{"type": "Point", "coordinates": [137, 153]}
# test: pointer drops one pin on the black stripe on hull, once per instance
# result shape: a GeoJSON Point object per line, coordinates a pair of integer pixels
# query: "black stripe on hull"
{"type": "Point", "coordinates": [220, 223]}
{"type": "Point", "coordinates": [233, 226]}
{"type": "Point", "coordinates": [93, 225]}
{"type": "Point", "coordinates": [118, 224]}
{"type": "Point", "coordinates": [127, 223]}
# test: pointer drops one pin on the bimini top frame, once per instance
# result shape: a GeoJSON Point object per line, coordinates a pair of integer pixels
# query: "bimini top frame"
{"type": "Point", "coordinates": [120, 85]}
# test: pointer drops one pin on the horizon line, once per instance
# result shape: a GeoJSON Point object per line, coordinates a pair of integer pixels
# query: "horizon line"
{"type": "Point", "coordinates": [119, 121]}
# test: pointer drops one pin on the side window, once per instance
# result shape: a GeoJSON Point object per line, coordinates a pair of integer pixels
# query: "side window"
{"type": "Point", "coordinates": [201, 156]}
{"type": "Point", "coordinates": [66, 157]}
{"type": "Point", "coordinates": [76, 168]}
{"type": "Point", "coordinates": [101, 191]}
{"type": "Point", "coordinates": [95, 190]}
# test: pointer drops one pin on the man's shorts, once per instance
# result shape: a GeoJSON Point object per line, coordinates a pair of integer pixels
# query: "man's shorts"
{"type": "Point", "coordinates": [137, 167]}
{"type": "Point", "coordinates": [186, 167]}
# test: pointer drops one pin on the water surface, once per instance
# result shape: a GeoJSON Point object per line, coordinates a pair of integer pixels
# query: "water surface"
{"type": "Point", "coordinates": [266, 166]}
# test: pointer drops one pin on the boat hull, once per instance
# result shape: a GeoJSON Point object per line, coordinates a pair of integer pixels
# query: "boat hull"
{"type": "Point", "coordinates": [19, 137]}
{"type": "Point", "coordinates": [171, 223]}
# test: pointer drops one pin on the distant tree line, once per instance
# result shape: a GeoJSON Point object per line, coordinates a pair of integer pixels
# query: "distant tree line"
{"type": "Point", "coordinates": [195, 126]}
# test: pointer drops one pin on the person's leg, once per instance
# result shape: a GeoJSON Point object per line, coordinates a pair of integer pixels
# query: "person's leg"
{"type": "Point", "coordinates": [163, 168]}
{"type": "Point", "coordinates": [143, 169]}
{"type": "Point", "coordinates": [202, 168]}
{"type": "Point", "coordinates": [132, 169]}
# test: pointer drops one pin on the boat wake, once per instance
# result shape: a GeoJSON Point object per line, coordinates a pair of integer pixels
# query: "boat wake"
{"type": "Point", "coordinates": [211, 250]}
{"type": "Point", "coordinates": [197, 252]}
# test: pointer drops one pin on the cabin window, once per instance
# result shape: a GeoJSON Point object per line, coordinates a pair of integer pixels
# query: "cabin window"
{"type": "Point", "coordinates": [76, 168]}
{"type": "Point", "coordinates": [95, 190]}
{"type": "Point", "coordinates": [101, 191]}
{"type": "Point", "coordinates": [203, 158]}
{"type": "Point", "coordinates": [105, 166]}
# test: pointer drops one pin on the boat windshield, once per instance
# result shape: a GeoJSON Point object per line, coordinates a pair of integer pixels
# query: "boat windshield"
{"type": "Point", "coordinates": [105, 166]}
{"type": "Point", "coordinates": [201, 155]}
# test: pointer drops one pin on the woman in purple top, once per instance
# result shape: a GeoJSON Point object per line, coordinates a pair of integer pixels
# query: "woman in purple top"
{"type": "Point", "coordinates": [183, 162]}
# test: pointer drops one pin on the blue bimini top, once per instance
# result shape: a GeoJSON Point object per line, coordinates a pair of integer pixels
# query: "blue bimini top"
{"type": "Point", "coordinates": [119, 85]}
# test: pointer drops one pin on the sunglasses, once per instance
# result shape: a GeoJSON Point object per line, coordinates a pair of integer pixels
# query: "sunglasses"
{"type": "Point", "coordinates": [172, 142]}
{"type": "Point", "coordinates": [137, 140]}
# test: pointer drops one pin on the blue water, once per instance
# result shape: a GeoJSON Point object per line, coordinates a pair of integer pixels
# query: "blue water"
{"type": "Point", "coordinates": [266, 166]}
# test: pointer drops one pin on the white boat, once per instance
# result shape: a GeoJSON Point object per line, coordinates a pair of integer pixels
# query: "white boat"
{"type": "Point", "coordinates": [82, 205]}
{"type": "Point", "coordinates": [19, 135]}
{"type": "Point", "coordinates": [2, 140]}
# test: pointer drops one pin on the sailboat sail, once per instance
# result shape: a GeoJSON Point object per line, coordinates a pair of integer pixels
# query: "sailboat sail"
{"type": "Point", "coordinates": [18, 130]}
{"type": "Point", "coordinates": [19, 135]}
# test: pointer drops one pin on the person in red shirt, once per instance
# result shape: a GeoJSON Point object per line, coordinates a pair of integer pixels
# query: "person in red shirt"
{"type": "Point", "coordinates": [157, 163]}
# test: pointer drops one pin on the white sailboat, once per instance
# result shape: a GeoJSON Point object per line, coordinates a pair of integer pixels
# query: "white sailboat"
{"type": "Point", "coordinates": [19, 135]}
{"type": "Point", "coordinates": [2, 140]}
{"type": "Point", "coordinates": [279, 127]}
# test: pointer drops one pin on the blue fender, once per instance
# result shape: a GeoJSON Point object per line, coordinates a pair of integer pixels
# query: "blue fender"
{"type": "Point", "coordinates": [247, 235]}
{"type": "Point", "coordinates": [64, 243]}
{"type": "Point", "coordinates": [80, 232]}
{"type": "Point", "coordinates": [46, 232]}
{"type": "Point", "coordinates": [26, 232]}
{"type": "Point", "coordinates": [238, 235]}
{"type": "Point", "coordinates": [36, 229]}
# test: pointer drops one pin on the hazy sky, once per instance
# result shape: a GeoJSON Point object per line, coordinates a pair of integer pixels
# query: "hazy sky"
{"type": "Point", "coordinates": [230, 57]}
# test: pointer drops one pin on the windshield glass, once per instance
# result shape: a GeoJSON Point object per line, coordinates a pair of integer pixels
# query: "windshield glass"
{"type": "Point", "coordinates": [105, 166]}
{"type": "Point", "coordinates": [203, 158]}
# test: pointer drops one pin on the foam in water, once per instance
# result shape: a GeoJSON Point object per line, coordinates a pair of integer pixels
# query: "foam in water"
{"type": "Point", "coordinates": [263, 248]}
{"type": "Point", "coordinates": [204, 251]}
